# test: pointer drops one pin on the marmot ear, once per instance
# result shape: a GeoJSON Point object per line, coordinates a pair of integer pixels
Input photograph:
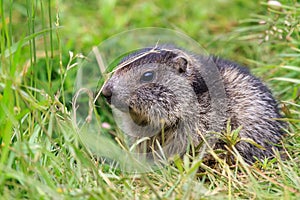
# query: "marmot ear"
{"type": "Point", "coordinates": [181, 64]}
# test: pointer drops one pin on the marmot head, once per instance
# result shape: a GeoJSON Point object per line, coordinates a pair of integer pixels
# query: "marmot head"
{"type": "Point", "coordinates": [154, 87]}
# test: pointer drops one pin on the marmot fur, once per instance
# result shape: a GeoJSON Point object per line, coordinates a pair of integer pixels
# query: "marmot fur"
{"type": "Point", "coordinates": [173, 97]}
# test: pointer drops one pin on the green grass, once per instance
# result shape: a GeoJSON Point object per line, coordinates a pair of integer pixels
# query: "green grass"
{"type": "Point", "coordinates": [42, 155]}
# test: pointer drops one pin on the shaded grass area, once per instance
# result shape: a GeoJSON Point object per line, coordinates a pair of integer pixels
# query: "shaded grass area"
{"type": "Point", "coordinates": [43, 157]}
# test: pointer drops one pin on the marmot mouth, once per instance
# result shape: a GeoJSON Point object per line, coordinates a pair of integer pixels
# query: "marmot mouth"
{"type": "Point", "coordinates": [138, 119]}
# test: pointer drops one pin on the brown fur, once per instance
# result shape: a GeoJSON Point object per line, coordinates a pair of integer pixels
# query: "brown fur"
{"type": "Point", "coordinates": [189, 96]}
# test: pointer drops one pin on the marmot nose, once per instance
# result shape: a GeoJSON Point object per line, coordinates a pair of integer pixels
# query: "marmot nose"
{"type": "Point", "coordinates": [107, 93]}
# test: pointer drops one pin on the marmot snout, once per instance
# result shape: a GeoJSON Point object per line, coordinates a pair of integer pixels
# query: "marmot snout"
{"type": "Point", "coordinates": [163, 93]}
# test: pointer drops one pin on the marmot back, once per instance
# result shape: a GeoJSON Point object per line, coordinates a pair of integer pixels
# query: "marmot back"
{"type": "Point", "coordinates": [168, 95]}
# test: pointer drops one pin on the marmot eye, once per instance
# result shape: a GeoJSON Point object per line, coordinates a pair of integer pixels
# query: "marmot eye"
{"type": "Point", "coordinates": [148, 76]}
